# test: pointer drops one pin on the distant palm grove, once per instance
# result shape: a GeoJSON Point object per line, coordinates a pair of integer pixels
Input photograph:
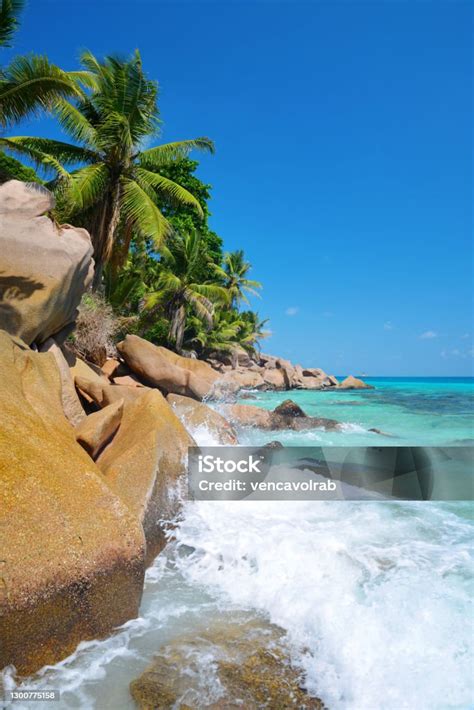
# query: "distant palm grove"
{"type": "Point", "coordinates": [160, 271]}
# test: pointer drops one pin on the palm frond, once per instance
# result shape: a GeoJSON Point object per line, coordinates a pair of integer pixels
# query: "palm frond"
{"type": "Point", "coordinates": [203, 307]}
{"type": "Point", "coordinates": [161, 155]}
{"type": "Point", "coordinates": [40, 159]}
{"type": "Point", "coordinates": [9, 12]}
{"type": "Point", "coordinates": [73, 121]}
{"type": "Point", "coordinates": [88, 185]}
{"type": "Point", "coordinates": [168, 189]}
{"type": "Point", "coordinates": [215, 293]}
{"type": "Point", "coordinates": [31, 83]}
{"type": "Point", "coordinates": [139, 209]}
{"type": "Point", "coordinates": [168, 286]}
{"type": "Point", "coordinates": [114, 134]}
{"type": "Point", "coordinates": [89, 61]}
{"type": "Point", "coordinates": [82, 76]}
{"type": "Point", "coordinates": [64, 153]}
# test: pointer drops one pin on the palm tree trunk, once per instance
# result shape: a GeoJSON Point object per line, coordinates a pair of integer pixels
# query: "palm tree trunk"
{"type": "Point", "coordinates": [104, 240]}
{"type": "Point", "coordinates": [178, 322]}
{"type": "Point", "coordinates": [120, 251]}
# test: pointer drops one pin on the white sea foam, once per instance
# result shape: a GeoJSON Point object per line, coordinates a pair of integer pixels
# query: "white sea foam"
{"type": "Point", "coordinates": [376, 592]}
{"type": "Point", "coordinates": [350, 427]}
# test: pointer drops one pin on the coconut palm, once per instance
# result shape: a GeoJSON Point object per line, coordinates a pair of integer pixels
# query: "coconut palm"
{"type": "Point", "coordinates": [221, 338]}
{"type": "Point", "coordinates": [29, 84]}
{"type": "Point", "coordinates": [252, 331]}
{"type": "Point", "coordinates": [178, 291]}
{"type": "Point", "coordinates": [234, 276]}
{"type": "Point", "coordinates": [115, 183]}
{"type": "Point", "coordinates": [232, 332]}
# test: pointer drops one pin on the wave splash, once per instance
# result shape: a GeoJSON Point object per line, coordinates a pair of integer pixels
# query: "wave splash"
{"type": "Point", "coordinates": [377, 593]}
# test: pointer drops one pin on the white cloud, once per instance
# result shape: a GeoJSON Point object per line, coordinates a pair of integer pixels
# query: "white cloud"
{"type": "Point", "coordinates": [455, 352]}
{"type": "Point", "coordinates": [388, 325]}
{"type": "Point", "coordinates": [292, 311]}
{"type": "Point", "coordinates": [429, 335]}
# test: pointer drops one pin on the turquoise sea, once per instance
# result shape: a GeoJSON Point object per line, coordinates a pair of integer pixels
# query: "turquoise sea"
{"type": "Point", "coordinates": [416, 411]}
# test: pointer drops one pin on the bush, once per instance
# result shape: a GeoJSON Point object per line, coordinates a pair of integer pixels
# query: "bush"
{"type": "Point", "coordinates": [157, 333]}
{"type": "Point", "coordinates": [96, 325]}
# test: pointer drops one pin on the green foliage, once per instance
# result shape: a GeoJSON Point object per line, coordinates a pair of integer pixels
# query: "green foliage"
{"type": "Point", "coordinates": [183, 218]}
{"type": "Point", "coordinates": [31, 84]}
{"type": "Point", "coordinates": [232, 331]}
{"type": "Point", "coordinates": [234, 277]}
{"type": "Point", "coordinates": [118, 189]}
{"type": "Point", "coordinates": [11, 169]}
{"type": "Point", "coordinates": [158, 332]}
{"type": "Point", "coordinates": [179, 288]}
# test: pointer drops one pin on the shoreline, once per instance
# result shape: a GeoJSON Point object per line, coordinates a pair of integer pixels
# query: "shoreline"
{"type": "Point", "coordinates": [93, 460]}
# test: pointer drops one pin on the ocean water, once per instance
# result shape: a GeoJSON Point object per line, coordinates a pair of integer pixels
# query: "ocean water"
{"type": "Point", "coordinates": [414, 411]}
{"type": "Point", "coordinates": [375, 597]}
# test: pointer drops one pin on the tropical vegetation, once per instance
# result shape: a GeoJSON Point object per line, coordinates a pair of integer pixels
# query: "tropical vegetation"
{"type": "Point", "coordinates": [159, 266]}
{"type": "Point", "coordinates": [29, 84]}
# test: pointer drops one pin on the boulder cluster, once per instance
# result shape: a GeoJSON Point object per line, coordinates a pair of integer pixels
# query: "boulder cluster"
{"type": "Point", "coordinates": [93, 460]}
{"type": "Point", "coordinates": [267, 372]}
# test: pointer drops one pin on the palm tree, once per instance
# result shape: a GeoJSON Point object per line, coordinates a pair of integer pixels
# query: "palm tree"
{"type": "Point", "coordinates": [31, 83]}
{"type": "Point", "coordinates": [234, 276]}
{"type": "Point", "coordinates": [232, 332]}
{"type": "Point", "coordinates": [252, 331]}
{"type": "Point", "coordinates": [178, 290]}
{"type": "Point", "coordinates": [115, 184]}
{"type": "Point", "coordinates": [221, 338]}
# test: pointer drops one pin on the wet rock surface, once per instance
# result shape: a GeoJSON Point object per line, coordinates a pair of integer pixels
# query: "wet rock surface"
{"type": "Point", "coordinates": [195, 414]}
{"type": "Point", "coordinates": [238, 663]}
{"type": "Point", "coordinates": [287, 416]}
{"type": "Point", "coordinates": [288, 408]}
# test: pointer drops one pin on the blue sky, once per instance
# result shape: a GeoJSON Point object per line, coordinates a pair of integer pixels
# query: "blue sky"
{"type": "Point", "coordinates": [343, 165]}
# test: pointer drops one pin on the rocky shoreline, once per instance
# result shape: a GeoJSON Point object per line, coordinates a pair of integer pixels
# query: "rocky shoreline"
{"type": "Point", "coordinates": [93, 458]}
{"type": "Point", "coordinates": [268, 372]}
